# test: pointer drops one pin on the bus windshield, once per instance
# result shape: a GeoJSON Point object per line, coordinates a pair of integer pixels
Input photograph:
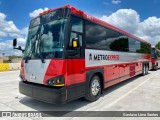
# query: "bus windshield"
{"type": "Point", "coordinates": [46, 39]}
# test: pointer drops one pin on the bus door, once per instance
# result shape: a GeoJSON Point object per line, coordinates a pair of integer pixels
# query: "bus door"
{"type": "Point", "coordinates": [75, 58]}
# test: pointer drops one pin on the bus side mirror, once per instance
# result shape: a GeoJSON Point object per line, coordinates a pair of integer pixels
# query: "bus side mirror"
{"type": "Point", "coordinates": [14, 43]}
{"type": "Point", "coordinates": [75, 43]}
{"type": "Point", "coordinates": [19, 48]}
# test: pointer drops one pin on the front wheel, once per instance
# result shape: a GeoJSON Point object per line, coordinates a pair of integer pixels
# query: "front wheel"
{"type": "Point", "coordinates": [93, 91]}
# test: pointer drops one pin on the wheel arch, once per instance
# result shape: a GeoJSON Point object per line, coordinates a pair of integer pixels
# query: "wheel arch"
{"type": "Point", "coordinates": [99, 72]}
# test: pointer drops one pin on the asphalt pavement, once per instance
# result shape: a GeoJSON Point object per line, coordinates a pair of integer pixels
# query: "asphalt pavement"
{"type": "Point", "coordinates": [141, 93]}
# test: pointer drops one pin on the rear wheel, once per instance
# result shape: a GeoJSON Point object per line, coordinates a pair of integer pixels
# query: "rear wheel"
{"type": "Point", "coordinates": [156, 67]}
{"type": "Point", "coordinates": [147, 69]}
{"type": "Point", "coordinates": [93, 91]}
{"type": "Point", "coordinates": [144, 70]}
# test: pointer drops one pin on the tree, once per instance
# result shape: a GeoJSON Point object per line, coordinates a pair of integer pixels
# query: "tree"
{"type": "Point", "coordinates": [158, 46]}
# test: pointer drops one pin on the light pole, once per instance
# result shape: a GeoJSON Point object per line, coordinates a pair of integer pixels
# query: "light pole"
{"type": "Point", "coordinates": [3, 54]}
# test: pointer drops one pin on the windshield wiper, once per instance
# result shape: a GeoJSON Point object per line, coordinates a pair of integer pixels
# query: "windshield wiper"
{"type": "Point", "coordinates": [33, 46]}
{"type": "Point", "coordinates": [41, 56]}
{"type": "Point", "coordinates": [30, 52]}
{"type": "Point", "coordinates": [26, 59]}
{"type": "Point", "coordinates": [42, 59]}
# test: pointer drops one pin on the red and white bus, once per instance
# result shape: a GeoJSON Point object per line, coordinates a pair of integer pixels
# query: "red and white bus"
{"type": "Point", "coordinates": [70, 54]}
{"type": "Point", "coordinates": [155, 58]}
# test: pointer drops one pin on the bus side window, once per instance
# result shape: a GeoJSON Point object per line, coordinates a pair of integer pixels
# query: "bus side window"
{"type": "Point", "coordinates": [77, 24]}
{"type": "Point", "coordinates": [76, 32]}
{"type": "Point", "coordinates": [80, 40]}
{"type": "Point", "coordinates": [73, 35]}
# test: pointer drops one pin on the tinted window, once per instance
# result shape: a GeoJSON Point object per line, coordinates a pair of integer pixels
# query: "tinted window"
{"type": "Point", "coordinates": [119, 44]}
{"type": "Point", "coordinates": [77, 24]}
{"type": "Point", "coordinates": [134, 45]}
{"type": "Point", "coordinates": [145, 48]}
{"type": "Point", "coordinates": [138, 46]}
{"type": "Point", "coordinates": [76, 32]}
{"type": "Point", "coordinates": [95, 36]}
{"type": "Point", "coordinates": [153, 53]}
{"type": "Point", "coordinates": [75, 35]}
{"type": "Point", "coordinates": [157, 54]}
{"type": "Point", "coordinates": [98, 37]}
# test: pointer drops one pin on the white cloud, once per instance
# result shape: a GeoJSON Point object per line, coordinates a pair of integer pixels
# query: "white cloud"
{"type": "Point", "coordinates": [129, 20]}
{"type": "Point", "coordinates": [2, 16]}
{"type": "Point", "coordinates": [6, 44]}
{"type": "Point", "coordinates": [35, 13]}
{"type": "Point", "coordinates": [150, 26]}
{"type": "Point", "coordinates": [9, 29]}
{"type": "Point", "coordinates": [2, 34]}
{"type": "Point", "coordinates": [124, 19]}
{"type": "Point", "coordinates": [7, 48]}
{"type": "Point", "coordinates": [24, 32]}
{"type": "Point", "coordinates": [116, 2]}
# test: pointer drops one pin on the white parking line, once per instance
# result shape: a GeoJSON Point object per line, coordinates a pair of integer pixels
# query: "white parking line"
{"type": "Point", "coordinates": [9, 81]}
{"type": "Point", "coordinates": [6, 72]}
{"type": "Point", "coordinates": [129, 92]}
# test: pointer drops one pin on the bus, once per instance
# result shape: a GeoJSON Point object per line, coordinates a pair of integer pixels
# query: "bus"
{"type": "Point", "coordinates": [70, 54]}
{"type": "Point", "coordinates": [155, 58]}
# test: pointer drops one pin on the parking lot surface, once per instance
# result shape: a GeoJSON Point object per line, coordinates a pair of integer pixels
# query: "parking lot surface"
{"type": "Point", "coordinates": [141, 93]}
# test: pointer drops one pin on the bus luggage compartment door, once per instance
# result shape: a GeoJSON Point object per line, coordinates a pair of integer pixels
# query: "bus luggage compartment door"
{"type": "Point", "coordinates": [132, 70]}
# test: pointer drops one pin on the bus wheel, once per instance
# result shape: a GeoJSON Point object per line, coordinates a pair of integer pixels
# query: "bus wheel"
{"type": "Point", "coordinates": [147, 69]}
{"type": "Point", "coordinates": [156, 67]}
{"type": "Point", "coordinates": [144, 70]}
{"type": "Point", "coordinates": [94, 89]}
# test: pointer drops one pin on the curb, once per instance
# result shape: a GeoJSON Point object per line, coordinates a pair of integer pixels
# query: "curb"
{"type": "Point", "coordinates": [9, 66]}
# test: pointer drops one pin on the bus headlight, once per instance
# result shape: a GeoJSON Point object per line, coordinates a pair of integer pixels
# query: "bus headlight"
{"type": "Point", "coordinates": [56, 81]}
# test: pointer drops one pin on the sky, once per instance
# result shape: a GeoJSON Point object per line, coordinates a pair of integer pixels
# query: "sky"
{"type": "Point", "coordinates": [138, 17]}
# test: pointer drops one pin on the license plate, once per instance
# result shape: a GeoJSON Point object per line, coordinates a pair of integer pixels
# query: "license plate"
{"type": "Point", "coordinates": [33, 78]}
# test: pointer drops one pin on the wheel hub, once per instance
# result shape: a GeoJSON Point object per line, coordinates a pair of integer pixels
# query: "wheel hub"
{"type": "Point", "coordinates": [95, 87]}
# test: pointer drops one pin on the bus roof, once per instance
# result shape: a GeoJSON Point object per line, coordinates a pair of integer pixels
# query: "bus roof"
{"type": "Point", "coordinates": [96, 20]}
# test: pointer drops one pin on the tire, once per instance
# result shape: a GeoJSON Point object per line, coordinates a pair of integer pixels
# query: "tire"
{"type": "Point", "coordinates": [156, 67]}
{"type": "Point", "coordinates": [144, 69]}
{"type": "Point", "coordinates": [93, 89]}
{"type": "Point", "coordinates": [147, 69]}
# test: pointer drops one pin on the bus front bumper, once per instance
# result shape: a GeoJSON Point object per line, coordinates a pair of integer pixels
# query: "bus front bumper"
{"type": "Point", "coordinates": [43, 93]}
